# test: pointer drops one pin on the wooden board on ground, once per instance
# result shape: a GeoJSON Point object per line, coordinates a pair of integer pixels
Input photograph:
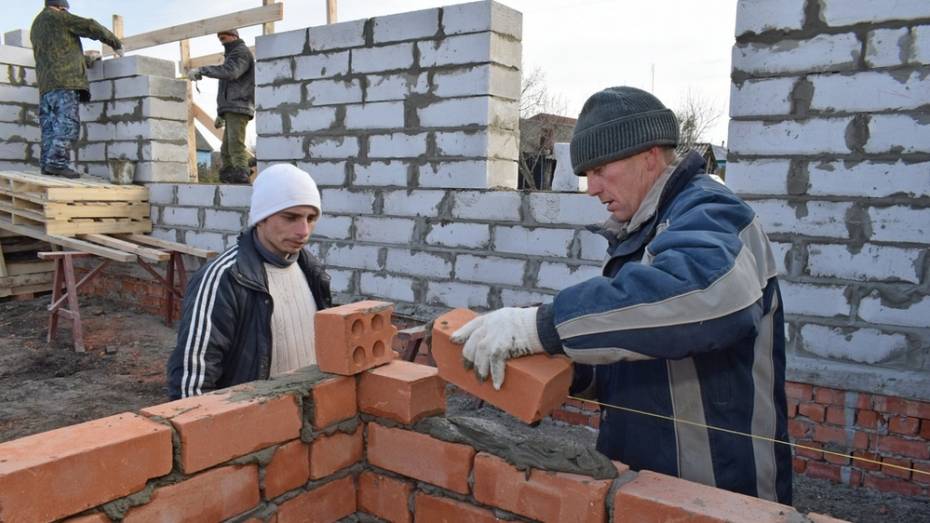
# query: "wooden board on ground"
{"type": "Point", "coordinates": [21, 272]}
{"type": "Point", "coordinates": [62, 207]}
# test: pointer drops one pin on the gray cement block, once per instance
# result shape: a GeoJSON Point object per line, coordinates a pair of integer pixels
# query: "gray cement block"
{"type": "Point", "coordinates": [162, 172]}
{"type": "Point", "coordinates": [12, 55]}
{"type": "Point", "coordinates": [196, 195]}
{"type": "Point", "coordinates": [388, 58]}
{"type": "Point", "coordinates": [23, 94]}
{"type": "Point", "coordinates": [164, 152]}
{"type": "Point", "coordinates": [101, 90]}
{"type": "Point", "coordinates": [289, 43]}
{"type": "Point", "coordinates": [329, 92]}
{"type": "Point", "coordinates": [18, 38]}
{"type": "Point", "coordinates": [235, 195]}
{"type": "Point", "coordinates": [20, 133]}
{"type": "Point", "coordinates": [164, 109]}
{"type": "Point", "coordinates": [406, 26]}
{"type": "Point", "coordinates": [316, 66]}
{"type": "Point", "coordinates": [142, 86]}
{"type": "Point", "coordinates": [139, 65]}
{"type": "Point", "coordinates": [337, 36]}
{"type": "Point", "coordinates": [476, 17]}
{"type": "Point", "coordinates": [123, 150]}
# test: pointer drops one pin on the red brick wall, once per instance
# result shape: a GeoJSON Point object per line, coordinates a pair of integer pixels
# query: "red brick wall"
{"type": "Point", "coordinates": [300, 449]}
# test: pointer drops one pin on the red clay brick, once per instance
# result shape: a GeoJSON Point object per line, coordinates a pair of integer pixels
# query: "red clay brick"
{"type": "Point", "coordinates": [867, 465]}
{"type": "Point", "coordinates": [813, 411]}
{"type": "Point", "coordinates": [863, 401]}
{"type": "Point", "coordinates": [922, 472]}
{"type": "Point", "coordinates": [334, 400]}
{"type": "Point", "coordinates": [816, 469]}
{"type": "Point", "coordinates": [899, 486]}
{"type": "Point", "coordinates": [330, 502]}
{"type": "Point", "coordinates": [330, 454]}
{"type": "Point", "coordinates": [402, 391]}
{"type": "Point", "coordinates": [902, 407]}
{"type": "Point", "coordinates": [792, 408]}
{"type": "Point", "coordinates": [432, 509]}
{"type": "Point", "coordinates": [854, 478]}
{"type": "Point", "coordinates": [894, 471]}
{"type": "Point", "coordinates": [925, 429]}
{"type": "Point", "coordinates": [420, 457]}
{"type": "Point", "coordinates": [836, 415]}
{"type": "Point", "coordinates": [534, 385]}
{"type": "Point", "coordinates": [867, 419]}
{"type": "Point", "coordinates": [92, 518]}
{"type": "Point", "coordinates": [799, 429]}
{"type": "Point", "coordinates": [545, 496]}
{"type": "Point", "coordinates": [354, 337]}
{"type": "Point", "coordinates": [799, 464]}
{"type": "Point", "coordinates": [904, 425]}
{"type": "Point", "coordinates": [289, 469]}
{"type": "Point", "coordinates": [910, 448]}
{"type": "Point", "coordinates": [207, 423]}
{"type": "Point", "coordinates": [384, 497]}
{"type": "Point", "coordinates": [799, 391]}
{"type": "Point", "coordinates": [807, 452]}
{"type": "Point", "coordinates": [215, 495]}
{"type": "Point", "coordinates": [84, 466]}
{"type": "Point", "coordinates": [829, 396]}
{"type": "Point", "coordinates": [839, 436]}
{"type": "Point", "coordinates": [837, 459]}
{"type": "Point", "coordinates": [653, 497]}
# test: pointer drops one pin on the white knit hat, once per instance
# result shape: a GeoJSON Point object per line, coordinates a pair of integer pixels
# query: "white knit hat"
{"type": "Point", "coordinates": [280, 187]}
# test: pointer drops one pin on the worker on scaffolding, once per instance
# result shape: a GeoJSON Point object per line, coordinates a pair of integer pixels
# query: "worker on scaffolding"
{"type": "Point", "coordinates": [61, 71]}
{"type": "Point", "coordinates": [235, 103]}
{"type": "Point", "coordinates": [684, 332]}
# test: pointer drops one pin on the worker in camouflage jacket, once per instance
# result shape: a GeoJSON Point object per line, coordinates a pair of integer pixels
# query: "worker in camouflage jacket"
{"type": "Point", "coordinates": [235, 103]}
{"type": "Point", "coordinates": [683, 331]}
{"type": "Point", "coordinates": [60, 68]}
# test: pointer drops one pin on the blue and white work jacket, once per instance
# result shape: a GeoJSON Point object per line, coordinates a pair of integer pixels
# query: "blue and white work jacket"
{"type": "Point", "coordinates": [686, 322]}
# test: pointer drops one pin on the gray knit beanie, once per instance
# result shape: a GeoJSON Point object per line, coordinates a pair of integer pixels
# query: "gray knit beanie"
{"type": "Point", "coordinates": [617, 123]}
{"type": "Point", "coordinates": [57, 3]}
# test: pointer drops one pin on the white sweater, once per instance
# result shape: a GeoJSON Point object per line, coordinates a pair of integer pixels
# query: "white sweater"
{"type": "Point", "coordinates": [292, 330]}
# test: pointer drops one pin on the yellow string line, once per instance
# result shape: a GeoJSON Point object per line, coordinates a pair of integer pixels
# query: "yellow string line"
{"type": "Point", "coordinates": [754, 436]}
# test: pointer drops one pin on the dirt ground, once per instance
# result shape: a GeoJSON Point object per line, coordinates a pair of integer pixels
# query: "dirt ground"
{"type": "Point", "coordinates": [45, 387]}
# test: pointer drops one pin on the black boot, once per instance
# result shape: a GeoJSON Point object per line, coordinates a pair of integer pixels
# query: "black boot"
{"type": "Point", "coordinates": [234, 176]}
{"type": "Point", "coordinates": [64, 172]}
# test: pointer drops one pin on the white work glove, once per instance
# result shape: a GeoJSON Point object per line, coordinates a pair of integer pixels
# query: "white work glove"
{"type": "Point", "coordinates": [496, 337]}
{"type": "Point", "coordinates": [119, 52]}
{"type": "Point", "coordinates": [194, 74]}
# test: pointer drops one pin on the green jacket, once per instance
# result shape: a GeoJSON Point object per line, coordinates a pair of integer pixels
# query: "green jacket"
{"type": "Point", "coordinates": [56, 44]}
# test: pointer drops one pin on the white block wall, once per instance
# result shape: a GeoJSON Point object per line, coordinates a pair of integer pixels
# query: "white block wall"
{"type": "Point", "coordinates": [422, 99]}
{"type": "Point", "coordinates": [830, 142]}
{"type": "Point", "coordinates": [137, 112]}
{"type": "Point", "coordinates": [20, 135]}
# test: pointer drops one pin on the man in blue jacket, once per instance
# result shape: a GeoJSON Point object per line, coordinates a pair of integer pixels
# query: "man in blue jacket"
{"type": "Point", "coordinates": [686, 321]}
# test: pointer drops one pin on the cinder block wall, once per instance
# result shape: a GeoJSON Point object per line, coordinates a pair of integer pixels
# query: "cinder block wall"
{"type": "Point", "coordinates": [20, 135]}
{"type": "Point", "coordinates": [317, 447]}
{"type": "Point", "coordinates": [424, 99]}
{"type": "Point", "coordinates": [830, 142]}
{"type": "Point", "coordinates": [138, 113]}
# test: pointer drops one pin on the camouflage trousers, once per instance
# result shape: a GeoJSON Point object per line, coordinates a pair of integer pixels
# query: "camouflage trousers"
{"type": "Point", "coordinates": [61, 126]}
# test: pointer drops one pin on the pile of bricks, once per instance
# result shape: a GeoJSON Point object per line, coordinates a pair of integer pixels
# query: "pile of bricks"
{"type": "Point", "coordinates": [138, 112]}
{"type": "Point", "coordinates": [310, 446]}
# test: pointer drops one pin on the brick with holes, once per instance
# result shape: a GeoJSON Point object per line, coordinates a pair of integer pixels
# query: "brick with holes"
{"type": "Point", "coordinates": [354, 338]}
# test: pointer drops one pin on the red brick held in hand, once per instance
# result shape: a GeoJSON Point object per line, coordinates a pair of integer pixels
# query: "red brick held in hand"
{"type": "Point", "coordinates": [545, 496]}
{"type": "Point", "coordinates": [334, 400]}
{"type": "Point", "coordinates": [55, 474]}
{"type": "Point", "coordinates": [533, 386]}
{"type": "Point", "coordinates": [354, 338]}
{"type": "Point", "coordinates": [402, 391]}
{"type": "Point", "coordinates": [432, 509]}
{"type": "Point", "coordinates": [653, 497]}
{"type": "Point", "coordinates": [330, 454]}
{"type": "Point", "coordinates": [289, 469]}
{"type": "Point", "coordinates": [384, 497]}
{"type": "Point", "coordinates": [215, 495]}
{"type": "Point", "coordinates": [421, 457]}
{"type": "Point", "coordinates": [325, 504]}
{"type": "Point", "coordinates": [227, 424]}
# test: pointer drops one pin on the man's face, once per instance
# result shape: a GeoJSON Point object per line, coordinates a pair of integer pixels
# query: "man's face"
{"type": "Point", "coordinates": [225, 39]}
{"type": "Point", "coordinates": [622, 184]}
{"type": "Point", "coordinates": [286, 232]}
{"type": "Point", "coordinates": [58, 8]}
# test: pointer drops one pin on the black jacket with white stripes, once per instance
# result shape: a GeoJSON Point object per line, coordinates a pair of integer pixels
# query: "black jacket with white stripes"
{"type": "Point", "coordinates": [225, 333]}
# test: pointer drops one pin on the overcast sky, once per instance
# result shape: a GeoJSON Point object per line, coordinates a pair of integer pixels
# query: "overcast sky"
{"type": "Point", "coordinates": [581, 45]}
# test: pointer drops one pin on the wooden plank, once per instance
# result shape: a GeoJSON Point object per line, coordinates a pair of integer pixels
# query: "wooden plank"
{"type": "Point", "coordinates": [31, 267]}
{"type": "Point", "coordinates": [63, 211]}
{"type": "Point", "coordinates": [23, 230]}
{"type": "Point", "coordinates": [206, 121]}
{"type": "Point", "coordinates": [268, 27]}
{"type": "Point", "coordinates": [115, 243]}
{"type": "Point", "coordinates": [192, 173]}
{"type": "Point", "coordinates": [98, 250]}
{"type": "Point", "coordinates": [330, 11]}
{"type": "Point", "coordinates": [123, 193]}
{"type": "Point", "coordinates": [212, 59]}
{"type": "Point", "coordinates": [98, 227]}
{"type": "Point", "coordinates": [171, 246]}
{"type": "Point", "coordinates": [3, 270]}
{"type": "Point", "coordinates": [31, 246]}
{"type": "Point", "coordinates": [117, 30]}
{"type": "Point", "coordinates": [208, 26]}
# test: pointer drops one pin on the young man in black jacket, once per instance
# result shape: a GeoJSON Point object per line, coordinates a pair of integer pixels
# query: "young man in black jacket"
{"type": "Point", "coordinates": [249, 313]}
{"type": "Point", "coordinates": [235, 103]}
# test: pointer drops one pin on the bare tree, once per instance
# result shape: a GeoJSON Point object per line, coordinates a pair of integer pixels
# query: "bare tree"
{"type": "Point", "coordinates": [536, 138]}
{"type": "Point", "coordinates": [696, 116]}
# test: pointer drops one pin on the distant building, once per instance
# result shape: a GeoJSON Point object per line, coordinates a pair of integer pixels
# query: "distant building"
{"type": "Point", "coordinates": [538, 136]}
{"type": "Point", "coordinates": [715, 156]}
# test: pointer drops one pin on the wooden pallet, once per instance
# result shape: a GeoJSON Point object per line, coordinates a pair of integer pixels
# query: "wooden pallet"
{"type": "Point", "coordinates": [21, 271]}
{"type": "Point", "coordinates": [63, 207]}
